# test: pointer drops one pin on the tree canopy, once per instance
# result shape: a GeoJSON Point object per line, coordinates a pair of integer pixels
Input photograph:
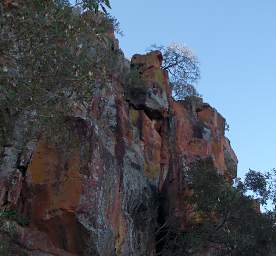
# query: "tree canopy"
{"type": "Point", "coordinates": [183, 69]}
{"type": "Point", "coordinates": [225, 220]}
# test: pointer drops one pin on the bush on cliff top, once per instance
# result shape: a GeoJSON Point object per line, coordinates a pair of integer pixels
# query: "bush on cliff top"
{"type": "Point", "coordinates": [52, 56]}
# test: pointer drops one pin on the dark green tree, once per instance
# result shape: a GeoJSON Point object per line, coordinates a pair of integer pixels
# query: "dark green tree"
{"type": "Point", "coordinates": [262, 187]}
{"type": "Point", "coordinates": [226, 221]}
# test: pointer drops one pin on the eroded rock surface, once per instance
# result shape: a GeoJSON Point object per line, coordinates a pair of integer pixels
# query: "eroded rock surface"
{"type": "Point", "coordinates": [100, 197]}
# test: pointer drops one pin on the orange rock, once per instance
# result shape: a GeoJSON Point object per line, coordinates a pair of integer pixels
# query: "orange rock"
{"type": "Point", "coordinates": [212, 119]}
{"type": "Point", "coordinates": [151, 59]}
{"type": "Point", "coordinates": [60, 179]}
{"type": "Point", "coordinates": [58, 186]}
{"type": "Point", "coordinates": [183, 126]}
{"type": "Point", "coordinates": [164, 137]}
{"type": "Point", "coordinates": [152, 147]}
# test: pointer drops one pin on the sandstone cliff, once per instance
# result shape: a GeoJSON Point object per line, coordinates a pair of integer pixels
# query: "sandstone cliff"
{"type": "Point", "coordinates": [102, 197]}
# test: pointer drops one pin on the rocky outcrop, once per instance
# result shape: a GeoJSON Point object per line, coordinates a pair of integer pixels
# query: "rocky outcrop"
{"type": "Point", "coordinates": [149, 93]}
{"type": "Point", "coordinates": [100, 196]}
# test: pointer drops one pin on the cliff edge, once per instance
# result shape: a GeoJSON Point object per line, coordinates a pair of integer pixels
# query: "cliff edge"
{"type": "Point", "coordinates": [102, 195]}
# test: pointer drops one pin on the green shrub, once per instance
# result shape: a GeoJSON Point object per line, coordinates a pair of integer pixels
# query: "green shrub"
{"type": "Point", "coordinates": [53, 56]}
{"type": "Point", "coordinates": [229, 223]}
{"type": "Point", "coordinates": [13, 215]}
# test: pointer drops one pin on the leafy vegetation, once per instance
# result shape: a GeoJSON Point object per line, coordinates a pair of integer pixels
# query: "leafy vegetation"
{"type": "Point", "coordinates": [8, 232]}
{"type": "Point", "coordinates": [262, 187]}
{"type": "Point", "coordinates": [52, 57]}
{"type": "Point", "coordinates": [225, 220]}
{"type": "Point", "coordinates": [14, 216]}
{"type": "Point", "coordinates": [94, 5]}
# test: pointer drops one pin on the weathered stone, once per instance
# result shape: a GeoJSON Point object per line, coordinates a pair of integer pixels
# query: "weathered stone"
{"type": "Point", "coordinates": [100, 196]}
{"type": "Point", "coordinates": [151, 94]}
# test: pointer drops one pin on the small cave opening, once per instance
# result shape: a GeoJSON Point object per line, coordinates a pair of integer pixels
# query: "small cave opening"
{"type": "Point", "coordinates": [22, 169]}
{"type": "Point", "coordinates": [198, 131]}
{"type": "Point", "coordinates": [153, 114]}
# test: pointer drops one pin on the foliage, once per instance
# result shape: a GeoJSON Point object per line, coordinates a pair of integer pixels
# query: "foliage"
{"type": "Point", "coordinates": [225, 220]}
{"type": "Point", "coordinates": [13, 215]}
{"type": "Point", "coordinates": [8, 232]}
{"type": "Point", "coordinates": [94, 5]}
{"type": "Point", "coordinates": [183, 68]}
{"type": "Point", "coordinates": [9, 218]}
{"type": "Point", "coordinates": [9, 241]}
{"type": "Point", "coordinates": [52, 56]}
{"type": "Point", "coordinates": [262, 185]}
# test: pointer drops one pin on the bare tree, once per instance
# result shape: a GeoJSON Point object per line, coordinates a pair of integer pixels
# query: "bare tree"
{"type": "Point", "coordinates": [94, 5]}
{"type": "Point", "coordinates": [183, 68]}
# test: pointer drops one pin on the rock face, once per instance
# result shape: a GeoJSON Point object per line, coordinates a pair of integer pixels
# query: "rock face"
{"type": "Point", "coordinates": [150, 95]}
{"type": "Point", "coordinates": [100, 197]}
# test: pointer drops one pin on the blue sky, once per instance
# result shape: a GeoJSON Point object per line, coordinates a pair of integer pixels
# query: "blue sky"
{"type": "Point", "coordinates": [235, 42]}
